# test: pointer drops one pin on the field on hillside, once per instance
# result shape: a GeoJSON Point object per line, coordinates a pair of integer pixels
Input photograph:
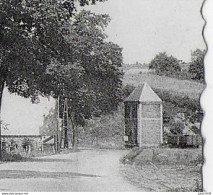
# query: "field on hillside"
{"type": "Point", "coordinates": [181, 87]}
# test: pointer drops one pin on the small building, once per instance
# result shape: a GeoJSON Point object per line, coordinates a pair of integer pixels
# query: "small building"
{"type": "Point", "coordinates": [143, 118]}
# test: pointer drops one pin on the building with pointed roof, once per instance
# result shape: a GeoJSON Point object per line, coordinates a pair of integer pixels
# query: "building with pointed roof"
{"type": "Point", "coordinates": [143, 118]}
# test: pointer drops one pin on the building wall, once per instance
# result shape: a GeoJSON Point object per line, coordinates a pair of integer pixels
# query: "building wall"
{"type": "Point", "coordinates": [150, 127]}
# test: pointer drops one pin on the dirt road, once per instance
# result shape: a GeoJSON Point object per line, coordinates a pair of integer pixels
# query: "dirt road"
{"type": "Point", "coordinates": [87, 170]}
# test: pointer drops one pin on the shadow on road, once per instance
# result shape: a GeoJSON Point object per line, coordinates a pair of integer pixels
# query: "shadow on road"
{"type": "Point", "coordinates": [46, 160]}
{"type": "Point", "coordinates": [22, 174]}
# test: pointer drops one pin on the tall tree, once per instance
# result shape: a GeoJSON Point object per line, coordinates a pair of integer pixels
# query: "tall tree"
{"type": "Point", "coordinates": [92, 82]}
{"type": "Point", "coordinates": [196, 68]}
{"type": "Point", "coordinates": [32, 33]}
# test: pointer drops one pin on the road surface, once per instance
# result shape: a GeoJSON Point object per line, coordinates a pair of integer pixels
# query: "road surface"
{"type": "Point", "coordinates": [87, 170]}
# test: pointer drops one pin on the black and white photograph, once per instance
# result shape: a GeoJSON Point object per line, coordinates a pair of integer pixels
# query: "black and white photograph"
{"type": "Point", "coordinates": [102, 95]}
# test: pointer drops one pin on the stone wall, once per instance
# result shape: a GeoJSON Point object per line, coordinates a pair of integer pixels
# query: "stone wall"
{"type": "Point", "coordinates": [21, 143]}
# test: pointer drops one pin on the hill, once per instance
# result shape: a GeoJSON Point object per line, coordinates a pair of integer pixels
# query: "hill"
{"type": "Point", "coordinates": [179, 87]}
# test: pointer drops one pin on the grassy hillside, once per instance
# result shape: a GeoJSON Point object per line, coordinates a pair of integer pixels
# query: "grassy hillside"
{"type": "Point", "coordinates": [180, 87]}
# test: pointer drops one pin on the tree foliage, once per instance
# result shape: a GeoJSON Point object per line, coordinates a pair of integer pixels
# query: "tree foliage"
{"type": "Point", "coordinates": [196, 68]}
{"type": "Point", "coordinates": [165, 65]}
{"type": "Point", "coordinates": [92, 81]}
{"type": "Point", "coordinates": [32, 33]}
{"type": "Point", "coordinates": [46, 49]}
{"type": "Point", "coordinates": [43, 50]}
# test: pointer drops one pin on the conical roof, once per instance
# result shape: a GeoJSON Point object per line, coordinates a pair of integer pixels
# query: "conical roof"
{"type": "Point", "coordinates": [143, 93]}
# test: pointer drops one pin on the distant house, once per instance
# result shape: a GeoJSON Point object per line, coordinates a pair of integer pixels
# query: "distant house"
{"type": "Point", "coordinates": [143, 118]}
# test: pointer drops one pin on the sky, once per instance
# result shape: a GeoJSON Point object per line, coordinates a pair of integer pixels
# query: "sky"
{"type": "Point", "coordinates": [23, 117]}
{"type": "Point", "coordinates": [144, 28]}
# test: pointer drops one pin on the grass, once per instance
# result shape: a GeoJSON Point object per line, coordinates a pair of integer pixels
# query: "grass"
{"type": "Point", "coordinates": [164, 169]}
{"type": "Point", "coordinates": [104, 132]}
{"type": "Point", "coordinates": [180, 87]}
{"type": "Point", "coordinates": [164, 156]}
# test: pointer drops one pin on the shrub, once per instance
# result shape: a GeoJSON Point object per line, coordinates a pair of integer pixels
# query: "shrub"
{"type": "Point", "coordinates": [177, 127]}
{"type": "Point", "coordinates": [11, 157]}
{"type": "Point", "coordinates": [165, 65]}
{"type": "Point", "coordinates": [190, 107]}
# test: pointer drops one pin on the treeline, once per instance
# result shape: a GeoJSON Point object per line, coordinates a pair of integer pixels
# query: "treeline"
{"type": "Point", "coordinates": [162, 64]}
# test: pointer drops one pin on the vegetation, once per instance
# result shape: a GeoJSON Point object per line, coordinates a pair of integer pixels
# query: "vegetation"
{"type": "Point", "coordinates": [166, 156]}
{"type": "Point", "coordinates": [182, 104]}
{"type": "Point", "coordinates": [196, 69]}
{"type": "Point", "coordinates": [163, 64]}
{"type": "Point", "coordinates": [177, 127]}
{"type": "Point", "coordinates": [175, 86]}
{"type": "Point", "coordinates": [176, 103]}
{"type": "Point", "coordinates": [11, 157]}
{"type": "Point", "coordinates": [92, 86]}
{"type": "Point", "coordinates": [103, 132]}
{"type": "Point", "coordinates": [180, 170]}
{"type": "Point", "coordinates": [47, 50]}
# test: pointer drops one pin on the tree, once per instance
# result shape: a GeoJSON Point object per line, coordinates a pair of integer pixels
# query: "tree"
{"type": "Point", "coordinates": [165, 65]}
{"type": "Point", "coordinates": [32, 33]}
{"type": "Point", "coordinates": [44, 50]}
{"type": "Point", "coordinates": [196, 68]}
{"type": "Point", "coordinates": [92, 83]}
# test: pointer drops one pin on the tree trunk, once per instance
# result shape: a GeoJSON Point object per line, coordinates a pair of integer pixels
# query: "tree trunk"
{"type": "Point", "coordinates": [2, 81]}
{"type": "Point", "coordinates": [74, 135]}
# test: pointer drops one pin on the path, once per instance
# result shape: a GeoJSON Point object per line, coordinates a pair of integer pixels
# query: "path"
{"type": "Point", "coordinates": [87, 170]}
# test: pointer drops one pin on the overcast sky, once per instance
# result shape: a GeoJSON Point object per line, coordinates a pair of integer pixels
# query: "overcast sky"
{"type": "Point", "coordinates": [22, 116]}
{"type": "Point", "coordinates": [144, 28]}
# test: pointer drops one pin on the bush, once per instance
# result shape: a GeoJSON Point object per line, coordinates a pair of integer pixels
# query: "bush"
{"type": "Point", "coordinates": [177, 127]}
{"type": "Point", "coordinates": [195, 129]}
{"type": "Point", "coordinates": [11, 157]}
{"type": "Point", "coordinates": [182, 104]}
{"type": "Point", "coordinates": [165, 65]}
